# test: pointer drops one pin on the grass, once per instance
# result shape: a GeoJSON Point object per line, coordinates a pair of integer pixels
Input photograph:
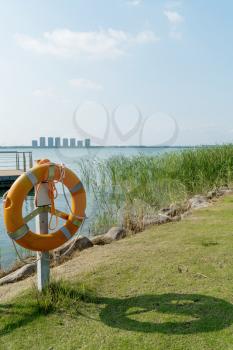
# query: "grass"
{"type": "Point", "coordinates": [126, 189]}
{"type": "Point", "coordinates": [170, 287]}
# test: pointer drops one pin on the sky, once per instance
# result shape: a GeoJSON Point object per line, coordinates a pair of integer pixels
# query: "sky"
{"type": "Point", "coordinates": [122, 72]}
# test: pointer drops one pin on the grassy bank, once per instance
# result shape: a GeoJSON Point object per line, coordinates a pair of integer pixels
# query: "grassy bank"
{"type": "Point", "coordinates": [126, 189]}
{"type": "Point", "coordinates": [167, 288]}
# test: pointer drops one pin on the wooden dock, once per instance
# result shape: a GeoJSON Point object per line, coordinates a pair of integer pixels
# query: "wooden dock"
{"type": "Point", "coordinates": [12, 165]}
{"type": "Point", "coordinates": [7, 177]}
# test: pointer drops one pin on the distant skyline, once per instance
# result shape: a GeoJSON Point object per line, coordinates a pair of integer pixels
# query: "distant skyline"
{"type": "Point", "coordinates": [58, 142]}
{"type": "Point", "coordinates": [119, 72]}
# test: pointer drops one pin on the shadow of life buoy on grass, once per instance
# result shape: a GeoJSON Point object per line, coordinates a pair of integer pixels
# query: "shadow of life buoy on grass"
{"type": "Point", "coordinates": [168, 313]}
{"type": "Point", "coordinates": [171, 313]}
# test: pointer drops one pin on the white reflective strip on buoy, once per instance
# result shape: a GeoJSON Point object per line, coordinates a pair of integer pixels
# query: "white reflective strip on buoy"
{"type": "Point", "coordinates": [31, 177]}
{"type": "Point", "coordinates": [76, 188]}
{"type": "Point", "coordinates": [66, 232]}
{"type": "Point", "coordinates": [20, 233]}
{"type": "Point", "coordinates": [51, 172]}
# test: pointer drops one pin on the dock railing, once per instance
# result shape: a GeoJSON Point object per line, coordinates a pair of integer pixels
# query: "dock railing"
{"type": "Point", "coordinates": [14, 160]}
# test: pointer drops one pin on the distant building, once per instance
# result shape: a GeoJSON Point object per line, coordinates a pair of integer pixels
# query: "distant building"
{"type": "Point", "coordinates": [87, 142]}
{"type": "Point", "coordinates": [72, 142]}
{"type": "Point", "coordinates": [42, 142]}
{"type": "Point", "coordinates": [50, 142]}
{"type": "Point", "coordinates": [34, 143]}
{"type": "Point", "coordinates": [80, 144]}
{"type": "Point", "coordinates": [57, 142]}
{"type": "Point", "coordinates": [65, 143]}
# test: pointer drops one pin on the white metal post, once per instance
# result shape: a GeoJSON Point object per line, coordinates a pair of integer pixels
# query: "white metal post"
{"type": "Point", "coordinates": [43, 268]}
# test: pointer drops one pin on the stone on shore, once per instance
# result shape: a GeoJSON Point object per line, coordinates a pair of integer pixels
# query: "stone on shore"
{"type": "Point", "coordinates": [176, 218]}
{"type": "Point", "coordinates": [198, 202]}
{"type": "Point", "coordinates": [163, 219]}
{"type": "Point", "coordinates": [101, 240]}
{"type": "Point", "coordinates": [18, 275]}
{"type": "Point", "coordinates": [114, 234]}
{"type": "Point", "coordinates": [212, 194]}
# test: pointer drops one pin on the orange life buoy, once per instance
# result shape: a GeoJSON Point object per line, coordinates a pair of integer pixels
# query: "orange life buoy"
{"type": "Point", "coordinates": [16, 224]}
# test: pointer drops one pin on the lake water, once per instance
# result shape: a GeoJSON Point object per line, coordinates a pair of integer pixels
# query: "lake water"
{"type": "Point", "coordinates": [71, 158]}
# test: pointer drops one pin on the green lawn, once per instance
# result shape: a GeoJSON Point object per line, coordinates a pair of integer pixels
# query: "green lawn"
{"type": "Point", "coordinates": [170, 287]}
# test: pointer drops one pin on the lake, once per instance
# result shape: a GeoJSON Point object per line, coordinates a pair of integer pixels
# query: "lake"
{"type": "Point", "coordinates": [70, 157]}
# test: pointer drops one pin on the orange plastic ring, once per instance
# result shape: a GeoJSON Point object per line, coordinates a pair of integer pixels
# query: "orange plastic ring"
{"type": "Point", "coordinates": [14, 221]}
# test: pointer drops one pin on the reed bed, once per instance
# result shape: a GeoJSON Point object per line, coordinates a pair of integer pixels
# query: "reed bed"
{"type": "Point", "coordinates": [128, 189]}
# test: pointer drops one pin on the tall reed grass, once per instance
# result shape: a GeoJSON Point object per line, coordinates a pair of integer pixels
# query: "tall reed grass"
{"type": "Point", "coordinates": [126, 188]}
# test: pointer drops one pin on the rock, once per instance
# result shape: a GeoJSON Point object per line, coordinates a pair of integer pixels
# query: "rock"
{"type": "Point", "coordinates": [165, 210]}
{"type": "Point", "coordinates": [212, 194]}
{"type": "Point", "coordinates": [175, 210]}
{"type": "Point", "coordinates": [76, 244]}
{"type": "Point", "coordinates": [160, 219]}
{"type": "Point", "coordinates": [18, 275]}
{"type": "Point", "coordinates": [198, 201]}
{"type": "Point", "coordinates": [163, 219]}
{"type": "Point", "coordinates": [219, 192]}
{"type": "Point", "coordinates": [101, 240]}
{"type": "Point", "coordinates": [115, 233]}
{"type": "Point", "coordinates": [176, 218]}
{"type": "Point", "coordinates": [223, 190]}
{"type": "Point", "coordinates": [151, 221]}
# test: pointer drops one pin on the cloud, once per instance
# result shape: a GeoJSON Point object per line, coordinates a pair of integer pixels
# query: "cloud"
{"type": "Point", "coordinates": [135, 2]}
{"type": "Point", "coordinates": [50, 94]}
{"type": "Point", "coordinates": [173, 4]}
{"type": "Point", "coordinates": [85, 84]}
{"type": "Point", "coordinates": [173, 17]}
{"type": "Point", "coordinates": [65, 43]}
{"type": "Point", "coordinates": [44, 93]}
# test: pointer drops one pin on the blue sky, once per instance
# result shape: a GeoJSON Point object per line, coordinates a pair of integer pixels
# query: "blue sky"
{"type": "Point", "coordinates": [123, 71]}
